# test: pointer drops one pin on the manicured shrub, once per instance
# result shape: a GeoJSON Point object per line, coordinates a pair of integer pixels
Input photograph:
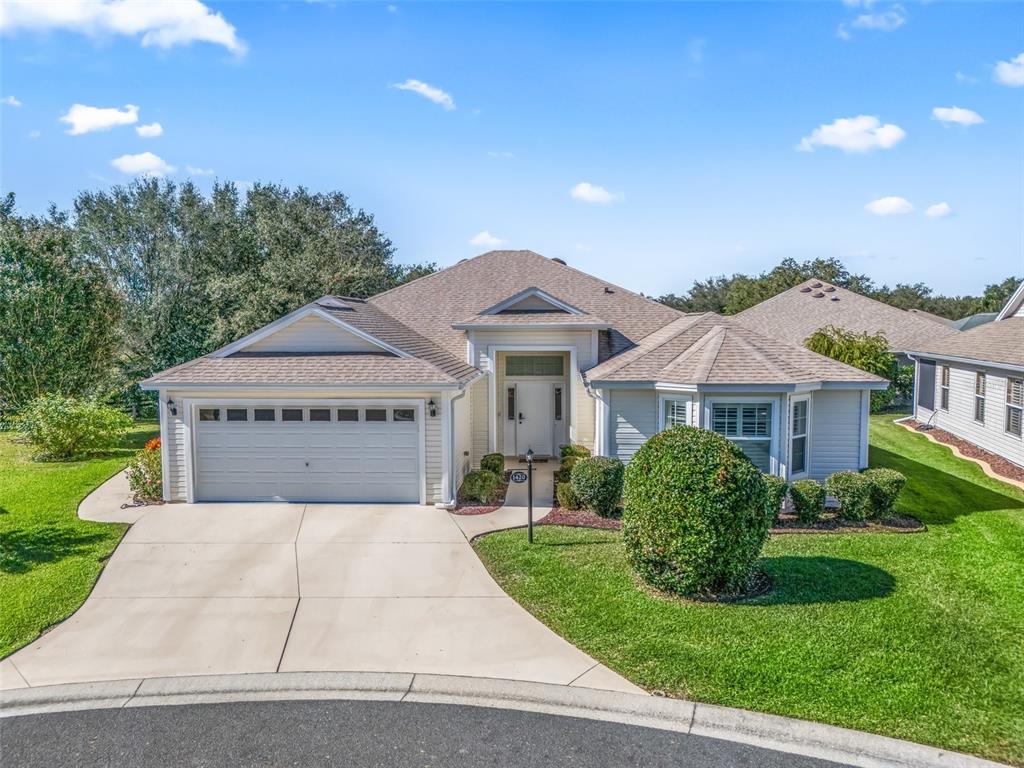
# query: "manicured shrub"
{"type": "Point", "coordinates": [597, 482]}
{"type": "Point", "coordinates": [853, 492]}
{"type": "Point", "coordinates": [567, 498]}
{"type": "Point", "coordinates": [564, 472]}
{"type": "Point", "coordinates": [696, 513]}
{"type": "Point", "coordinates": [886, 485]}
{"type": "Point", "coordinates": [479, 486]}
{"type": "Point", "coordinates": [145, 474]}
{"type": "Point", "coordinates": [808, 498]}
{"type": "Point", "coordinates": [572, 449]}
{"type": "Point", "coordinates": [61, 427]}
{"type": "Point", "coordinates": [777, 488]}
{"type": "Point", "coordinates": [493, 462]}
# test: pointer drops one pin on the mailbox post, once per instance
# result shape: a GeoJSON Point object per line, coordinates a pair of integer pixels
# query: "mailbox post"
{"type": "Point", "coordinates": [529, 495]}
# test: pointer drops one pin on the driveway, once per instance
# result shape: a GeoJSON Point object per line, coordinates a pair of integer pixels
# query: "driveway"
{"type": "Point", "coordinates": [230, 588]}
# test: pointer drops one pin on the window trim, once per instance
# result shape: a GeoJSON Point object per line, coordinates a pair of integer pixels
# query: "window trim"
{"type": "Point", "coordinates": [663, 401]}
{"type": "Point", "coordinates": [806, 434]}
{"type": "Point", "coordinates": [1010, 406]}
{"type": "Point", "coordinates": [944, 376]}
{"type": "Point", "coordinates": [775, 460]}
{"type": "Point", "coordinates": [980, 389]}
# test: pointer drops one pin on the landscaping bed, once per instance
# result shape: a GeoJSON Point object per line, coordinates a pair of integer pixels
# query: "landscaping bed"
{"type": "Point", "coordinates": [474, 507]}
{"type": "Point", "coordinates": [998, 464]}
{"type": "Point", "coordinates": [582, 518]}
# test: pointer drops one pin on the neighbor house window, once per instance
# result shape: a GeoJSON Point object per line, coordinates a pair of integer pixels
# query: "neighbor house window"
{"type": "Point", "coordinates": [798, 437]}
{"type": "Point", "coordinates": [534, 365]}
{"type": "Point", "coordinates": [376, 414]}
{"type": "Point", "coordinates": [749, 425]}
{"type": "Point", "coordinates": [291, 414]}
{"type": "Point", "coordinates": [238, 414]}
{"type": "Point", "coordinates": [209, 414]}
{"type": "Point", "coordinates": [979, 397]}
{"type": "Point", "coordinates": [348, 414]}
{"type": "Point", "coordinates": [1014, 406]}
{"type": "Point", "coordinates": [403, 414]}
{"type": "Point", "coordinates": [944, 389]}
{"type": "Point", "coordinates": [319, 414]}
{"type": "Point", "coordinates": [675, 411]}
{"type": "Point", "coordinates": [558, 403]}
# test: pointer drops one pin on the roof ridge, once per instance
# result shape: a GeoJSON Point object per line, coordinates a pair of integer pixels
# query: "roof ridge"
{"type": "Point", "coordinates": [643, 347]}
{"type": "Point", "coordinates": [707, 347]}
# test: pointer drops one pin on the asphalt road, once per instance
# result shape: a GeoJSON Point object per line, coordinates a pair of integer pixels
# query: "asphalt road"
{"type": "Point", "coordinates": [356, 733]}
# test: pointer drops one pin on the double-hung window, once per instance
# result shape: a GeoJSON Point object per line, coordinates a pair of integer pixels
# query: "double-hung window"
{"type": "Point", "coordinates": [675, 411]}
{"type": "Point", "coordinates": [1014, 406]}
{"type": "Point", "coordinates": [749, 425]}
{"type": "Point", "coordinates": [800, 422]}
{"type": "Point", "coordinates": [944, 388]}
{"type": "Point", "coordinates": [979, 397]}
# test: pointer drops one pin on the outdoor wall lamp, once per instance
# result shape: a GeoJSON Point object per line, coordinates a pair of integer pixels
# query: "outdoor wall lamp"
{"type": "Point", "coordinates": [432, 407]}
{"type": "Point", "coordinates": [171, 407]}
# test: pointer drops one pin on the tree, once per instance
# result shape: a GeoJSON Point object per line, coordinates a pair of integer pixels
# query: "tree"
{"type": "Point", "coordinates": [869, 352]}
{"type": "Point", "coordinates": [996, 295]}
{"type": "Point", "coordinates": [59, 315]}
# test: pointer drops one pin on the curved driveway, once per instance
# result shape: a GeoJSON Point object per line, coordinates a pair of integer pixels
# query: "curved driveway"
{"type": "Point", "coordinates": [229, 588]}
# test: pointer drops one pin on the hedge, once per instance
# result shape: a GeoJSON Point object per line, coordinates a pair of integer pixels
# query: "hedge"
{"type": "Point", "coordinates": [777, 488]}
{"type": "Point", "coordinates": [61, 427]}
{"type": "Point", "coordinates": [808, 498]}
{"type": "Point", "coordinates": [479, 486]}
{"type": "Point", "coordinates": [853, 492]}
{"type": "Point", "coordinates": [597, 482]}
{"type": "Point", "coordinates": [493, 462]}
{"type": "Point", "coordinates": [886, 486]}
{"type": "Point", "coordinates": [567, 498]}
{"type": "Point", "coordinates": [564, 472]}
{"type": "Point", "coordinates": [573, 449]}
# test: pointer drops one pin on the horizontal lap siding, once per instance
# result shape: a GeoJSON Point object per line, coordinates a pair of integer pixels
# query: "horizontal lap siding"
{"type": "Point", "coordinates": [312, 334]}
{"type": "Point", "coordinates": [479, 395]}
{"type": "Point", "coordinates": [585, 415]}
{"type": "Point", "coordinates": [633, 418]}
{"type": "Point", "coordinates": [463, 449]}
{"type": "Point", "coordinates": [835, 432]}
{"type": "Point", "coordinates": [174, 443]}
{"type": "Point", "coordinates": [432, 436]}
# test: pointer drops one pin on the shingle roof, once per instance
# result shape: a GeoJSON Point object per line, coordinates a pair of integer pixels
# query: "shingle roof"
{"type": "Point", "coordinates": [711, 349]}
{"type": "Point", "coordinates": [431, 304]}
{"type": "Point", "coordinates": [795, 314]}
{"type": "Point", "coordinates": [1001, 341]}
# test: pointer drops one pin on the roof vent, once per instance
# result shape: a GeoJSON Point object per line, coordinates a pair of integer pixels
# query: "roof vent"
{"type": "Point", "coordinates": [805, 289]}
{"type": "Point", "coordinates": [461, 260]}
{"type": "Point", "coordinates": [558, 261]}
{"type": "Point", "coordinates": [816, 285]}
{"type": "Point", "coordinates": [819, 295]}
{"type": "Point", "coordinates": [608, 290]}
{"type": "Point", "coordinates": [830, 289]}
{"type": "Point", "coordinates": [332, 302]}
{"type": "Point", "coordinates": [835, 298]}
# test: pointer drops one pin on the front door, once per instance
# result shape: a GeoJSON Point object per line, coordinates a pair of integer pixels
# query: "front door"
{"type": "Point", "coordinates": [534, 420]}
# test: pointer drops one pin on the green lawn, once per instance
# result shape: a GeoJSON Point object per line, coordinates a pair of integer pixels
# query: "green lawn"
{"type": "Point", "coordinates": [49, 559]}
{"type": "Point", "coordinates": [918, 636]}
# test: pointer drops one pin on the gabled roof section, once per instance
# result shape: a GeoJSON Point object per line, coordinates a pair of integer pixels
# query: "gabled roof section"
{"type": "Point", "coordinates": [1014, 305]}
{"type": "Point", "coordinates": [1000, 342]}
{"type": "Point", "coordinates": [532, 299]}
{"type": "Point", "coordinates": [711, 349]}
{"type": "Point", "coordinates": [795, 314]}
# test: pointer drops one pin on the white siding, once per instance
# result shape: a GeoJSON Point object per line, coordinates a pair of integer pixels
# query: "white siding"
{"type": "Point", "coordinates": [479, 418]}
{"type": "Point", "coordinates": [434, 456]}
{"type": "Point", "coordinates": [174, 444]}
{"type": "Point", "coordinates": [835, 431]}
{"type": "Point", "coordinates": [959, 419]}
{"type": "Point", "coordinates": [584, 415]}
{"type": "Point", "coordinates": [463, 448]}
{"type": "Point", "coordinates": [633, 416]}
{"type": "Point", "coordinates": [312, 334]}
{"type": "Point", "coordinates": [582, 340]}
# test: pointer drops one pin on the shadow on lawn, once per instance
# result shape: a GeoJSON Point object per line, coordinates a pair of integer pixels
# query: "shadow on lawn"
{"type": "Point", "coordinates": [23, 550]}
{"type": "Point", "coordinates": [805, 580]}
{"type": "Point", "coordinates": [936, 497]}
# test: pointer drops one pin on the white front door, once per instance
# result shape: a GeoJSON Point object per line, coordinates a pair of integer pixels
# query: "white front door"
{"type": "Point", "coordinates": [534, 419]}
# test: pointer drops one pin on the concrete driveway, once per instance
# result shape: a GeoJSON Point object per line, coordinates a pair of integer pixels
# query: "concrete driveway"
{"type": "Point", "coordinates": [229, 588]}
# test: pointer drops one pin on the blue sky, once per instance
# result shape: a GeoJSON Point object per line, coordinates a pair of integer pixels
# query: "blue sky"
{"type": "Point", "coordinates": [706, 133]}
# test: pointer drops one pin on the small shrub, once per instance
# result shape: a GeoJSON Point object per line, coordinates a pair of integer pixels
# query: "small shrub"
{"type": "Point", "coordinates": [564, 472]}
{"type": "Point", "coordinates": [886, 485]}
{"type": "Point", "coordinates": [572, 449]}
{"type": "Point", "coordinates": [479, 486]}
{"type": "Point", "coordinates": [696, 513]}
{"type": "Point", "coordinates": [777, 488]}
{"type": "Point", "coordinates": [597, 482]}
{"type": "Point", "coordinates": [493, 462]}
{"type": "Point", "coordinates": [853, 492]}
{"type": "Point", "coordinates": [567, 498]}
{"type": "Point", "coordinates": [61, 427]}
{"type": "Point", "coordinates": [808, 500]}
{"type": "Point", "coordinates": [145, 474]}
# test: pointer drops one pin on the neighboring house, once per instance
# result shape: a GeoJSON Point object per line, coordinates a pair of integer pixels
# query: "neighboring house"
{"type": "Point", "coordinates": [972, 384]}
{"type": "Point", "coordinates": [395, 398]}
{"type": "Point", "coordinates": [973, 321]}
{"type": "Point", "coordinates": [795, 314]}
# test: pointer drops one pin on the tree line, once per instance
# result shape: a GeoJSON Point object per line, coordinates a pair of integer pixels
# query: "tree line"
{"type": "Point", "coordinates": [730, 295]}
{"type": "Point", "coordinates": [146, 276]}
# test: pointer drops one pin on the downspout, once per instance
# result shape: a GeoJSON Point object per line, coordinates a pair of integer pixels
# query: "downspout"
{"type": "Point", "coordinates": [453, 483]}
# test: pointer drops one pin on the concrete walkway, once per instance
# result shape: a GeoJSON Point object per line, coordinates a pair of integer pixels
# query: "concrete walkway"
{"type": "Point", "coordinates": [513, 513]}
{"type": "Point", "coordinates": [200, 589]}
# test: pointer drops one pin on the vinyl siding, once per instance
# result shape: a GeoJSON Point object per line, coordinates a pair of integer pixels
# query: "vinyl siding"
{"type": "Point", "coordinates": [633, 416]}
{"type": "Point", "coordinates": [434, 457]}
{"type": "Point", "coordinates": [174, 443]}
{"type": "Point", "coordinates": [312, 334]}
{"type": "Point", "coordinates": [584, 416]}
{"type": "Point", "coordinates": [959, 419]}
{"type": "Point", "coordinates": [835, 431]}
{"type": "Point", "coordinates": [463, 448]}
{"type": "Point", "coordinates": [478, 395]}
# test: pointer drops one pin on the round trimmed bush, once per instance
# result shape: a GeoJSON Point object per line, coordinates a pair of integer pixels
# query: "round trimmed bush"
{"type": "Point", "coordinates": [479, 486]}
{"type": "Point", "coordinates": [808, 500]}
{"type": "Point", "coordinates": [597, 482]}
{"type": "Point", "coordinates": [853, 492]}
{"type": "Point", "coordinates": [493, 462]}
{"type": "Point", "coordinates": [886, 486]}
{"type": "Point", "coordinates": [777, 488]}
{"type": "Point", "coordinates": [696, 514]}
{"type": "Point", "coordinates": [567, 498]}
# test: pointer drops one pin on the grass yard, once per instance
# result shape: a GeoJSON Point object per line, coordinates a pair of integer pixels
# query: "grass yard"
{"type": "Point", "coordinates": [918, 636]}
{"type": "Point", "coordinates": [49, 558]}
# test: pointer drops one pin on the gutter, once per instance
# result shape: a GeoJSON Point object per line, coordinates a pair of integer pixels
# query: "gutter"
{"type": "Point", "coordinates": [916, 356]}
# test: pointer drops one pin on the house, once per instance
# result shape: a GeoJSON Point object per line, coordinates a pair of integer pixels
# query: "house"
{"type": "Point", "coordinates": [395, 398]}
{"type": "Point", "coordinates": [795, 314]}
{"type": "Point", "coordinates": [972, 384]}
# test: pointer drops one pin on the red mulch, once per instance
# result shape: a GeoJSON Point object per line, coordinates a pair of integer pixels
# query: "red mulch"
{"type": "Point", "coordinates": [580, 518]}
{"type": "Point", "coordinates": [830, 522]}
{"type": "Point", "coordinates": [998, 464]}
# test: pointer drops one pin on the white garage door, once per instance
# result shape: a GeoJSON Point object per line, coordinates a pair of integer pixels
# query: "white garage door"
{"type": "Point", "coordinates": [328, 452]}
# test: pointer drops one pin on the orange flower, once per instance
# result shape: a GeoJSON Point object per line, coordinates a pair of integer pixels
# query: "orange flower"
{"type": "Point", "coordinates": [153, 445]}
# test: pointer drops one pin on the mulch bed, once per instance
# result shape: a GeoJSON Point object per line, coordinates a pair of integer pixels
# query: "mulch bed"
{"type": "Point", "coordinates": [998, 464]}
{"type": "Point", "coordinates": [580, 518]}
{"type": "Point", "coordinates": [474, 507]}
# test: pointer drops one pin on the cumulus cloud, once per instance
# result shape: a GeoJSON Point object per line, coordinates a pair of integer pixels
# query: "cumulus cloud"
{"type": "Point", "coordinates": [10, 101]}
{"type": "Point", "coordinates": [592, 193]}
{"type": "Point", "coordinates": [150, 131]}
{"type": "Point", "coordinates": [193, 170]}
{"type": "Point", "coordinates": [863, 133]}
{"type": "Point", "coordinates": [160, 24]}
{"type": "Point", "coordinates": [427, 91]}
{"type": "Point", "coordinates": [957, 115]}
{"type": "Point", "coordinates": [938, 211]}
{"type": "Point", "coordinates": [34, 134]}
{"type": "Point", "coordinates": [889, 206]}
{"type": "Point", "coordinates": [142, 164]}
{"type": "Point", "coordinates": [85, 119]}
{"type": "Point", "coordinates": [1010, 72]}
{"type": "Point", "coordinates": [885, 21]}
{"type": "Point", "coordinates": [486, 239]}
{"type": "Point", "coordinates": [962, 77]}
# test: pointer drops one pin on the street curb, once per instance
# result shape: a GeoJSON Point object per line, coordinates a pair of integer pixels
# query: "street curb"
{"type": "Point", "coordinates": [782, 734]}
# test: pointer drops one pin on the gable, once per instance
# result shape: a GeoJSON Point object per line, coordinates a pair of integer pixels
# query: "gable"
{"type": "Point", "coordinates": [532, 303]}
{"type": "Point", "coordinates": [532, 300]}
{"type": "Point", "coordinates": [312, 334]}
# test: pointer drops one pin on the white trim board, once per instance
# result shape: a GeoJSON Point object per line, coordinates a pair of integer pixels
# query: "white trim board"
{"type": "Point", "coordinates": [533, 292]}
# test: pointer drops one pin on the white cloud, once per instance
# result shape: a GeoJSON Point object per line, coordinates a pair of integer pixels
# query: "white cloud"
{"type": "Point", "coordinates": [34, 134]}
{"type": "Point", "coordinates": [142, 164]}
{"type": "Point", "coordinates": [957, 115]}
{"type": "Point", "coordinates": [10, 101]}
{"type": "Point", "coordinates": [150, 131]}
{"type": "Point", "coordinates": [163, 24]}
{"type": "Point", "coordinates": [592, 193]}
{"type": "Point", "coordinates": [886, 21]}
{"type": "Point", "coordinates": [83, 119]}
{"type": "Point", "coordinates": [427, 91]}
{"type": "Point", "coordinates": [486, 239]}
{"type": "Point", "coordinates": [938, 211]}
{"type": "Point", "coordinates": [1010, 72]}
{"type": "Point", "coordinates": [193, 170]}
{"type": "Point", "coordinates": [961, 77]}
{"type": "Point", "coordinates": [889, 206]}
{"type": "Point", "coordinates": [863, 133]}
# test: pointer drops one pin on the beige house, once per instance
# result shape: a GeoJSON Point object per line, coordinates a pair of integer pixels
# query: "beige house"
{"type": "Point", "coordinates": [395, 398]}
